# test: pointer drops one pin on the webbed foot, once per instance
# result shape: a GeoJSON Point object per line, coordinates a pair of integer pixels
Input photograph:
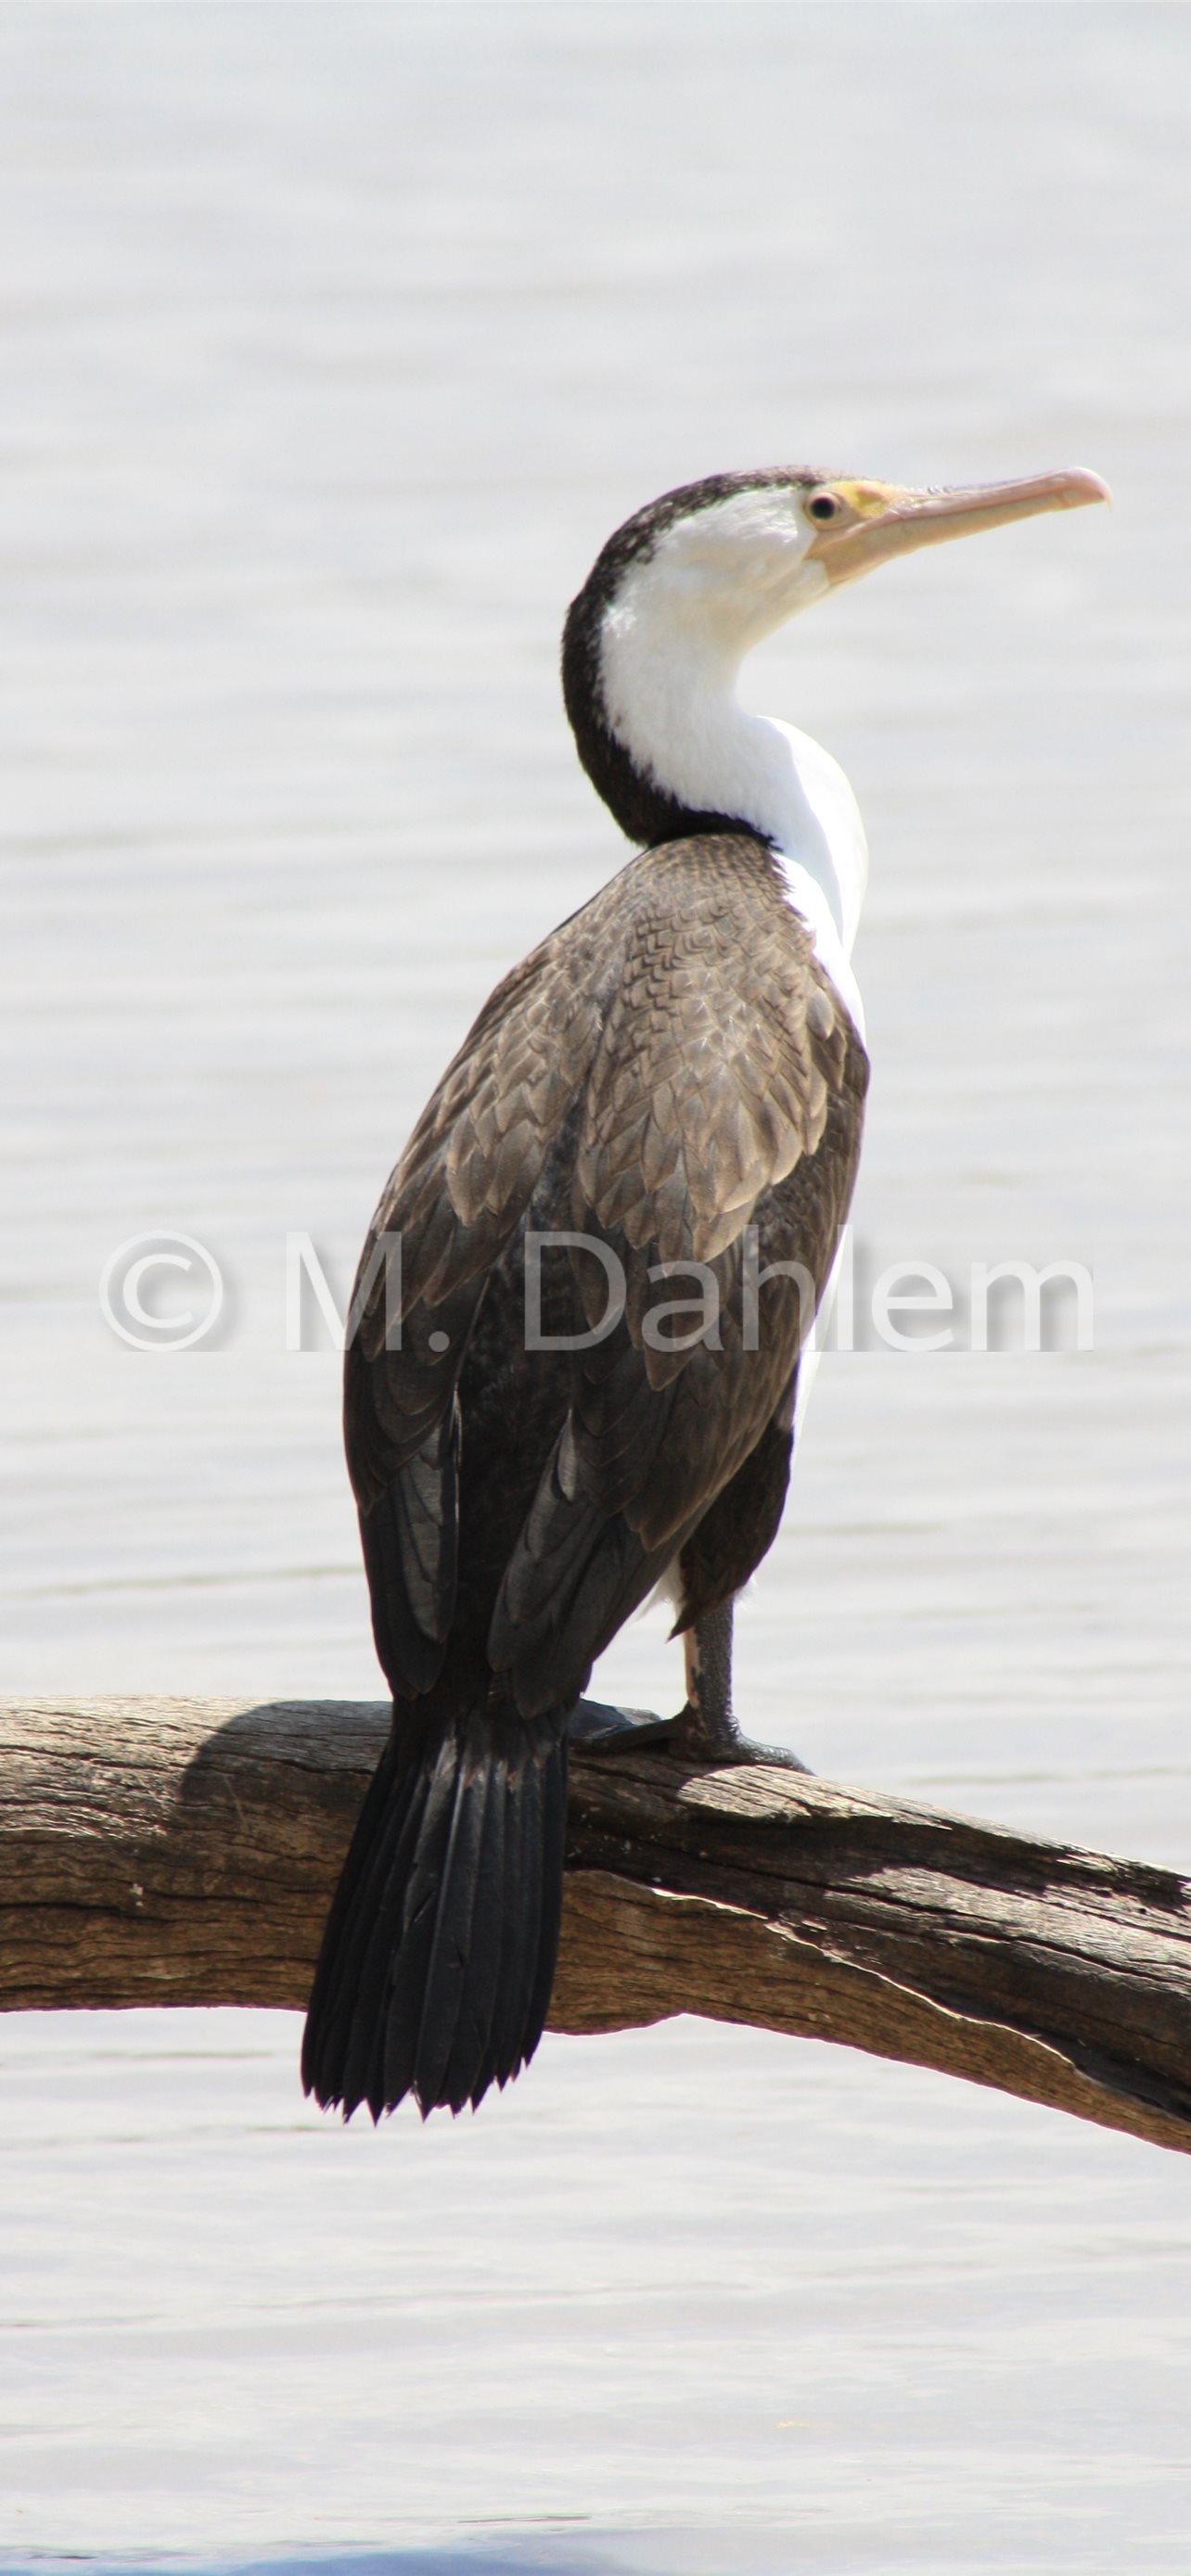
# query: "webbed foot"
{"type": "Point", "coordinates": [602, 1729]}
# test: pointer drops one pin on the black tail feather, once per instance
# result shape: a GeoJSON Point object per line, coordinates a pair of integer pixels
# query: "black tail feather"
{"type": "Point", "coordinates": [519, 1933]}
{"type": "Point", "coordinates": [448, 1967]}
{"type": "Point", "coordinates": [477, 2002]}
{"type": "Point", "coordinates": [440, 1948]}
{"type": "Point", "coordinates": [523, 1933]}
{"type": "Point", "coordinates": [352, 1918]}
{"type": "Point", "coordinates": [388, 2008]}
{"type": "Point", "coordinates": [386, 1845]}
{"type": "Point", "coordinates": [554, 1826]}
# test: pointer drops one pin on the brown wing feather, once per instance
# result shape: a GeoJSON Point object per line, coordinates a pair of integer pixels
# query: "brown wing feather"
{"type": "Point", "coordinates": [652, 1075]}
{"type": "Point", "coordinates": [708, 1082]}
{"type": "Point", "coordinates": [726, 1089]}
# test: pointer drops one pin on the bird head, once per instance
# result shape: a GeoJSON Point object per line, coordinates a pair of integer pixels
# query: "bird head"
{"type": "Point", "coordinates": [690, 584]}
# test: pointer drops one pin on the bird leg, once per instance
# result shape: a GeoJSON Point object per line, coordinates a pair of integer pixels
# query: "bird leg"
{"type": "Point", "coordinates": [707, 1724]}
{"type": "Point", "coordinates": [707, 1648]}
{"type": "Point", "coordinates": [706, 1728]}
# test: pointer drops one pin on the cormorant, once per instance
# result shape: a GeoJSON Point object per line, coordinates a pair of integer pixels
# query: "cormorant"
{"type": "Point", "coordinates": [670, 1091]}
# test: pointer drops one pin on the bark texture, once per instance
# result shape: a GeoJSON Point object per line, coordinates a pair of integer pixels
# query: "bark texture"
{"type": "Point", "coordinates": [185, 1851]}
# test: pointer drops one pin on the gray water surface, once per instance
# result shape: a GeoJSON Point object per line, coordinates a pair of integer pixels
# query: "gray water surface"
{"type": "Point", "coordinates": [334, 343]}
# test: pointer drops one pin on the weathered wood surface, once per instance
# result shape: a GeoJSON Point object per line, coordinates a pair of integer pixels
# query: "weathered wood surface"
{"type": "Point", "coordinates": [184, 1852]}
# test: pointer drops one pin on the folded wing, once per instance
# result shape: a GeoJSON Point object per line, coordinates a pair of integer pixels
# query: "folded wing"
{"type": "Point", "coordinates": [672, 1076]}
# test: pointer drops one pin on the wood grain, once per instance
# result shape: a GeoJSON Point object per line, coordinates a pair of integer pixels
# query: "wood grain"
{"type": "Point", "coordinates": [170, 1851]}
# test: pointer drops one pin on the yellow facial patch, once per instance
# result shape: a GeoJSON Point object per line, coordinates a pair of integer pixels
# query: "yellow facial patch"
{"type": "Point", "coordinates": [870, 499]}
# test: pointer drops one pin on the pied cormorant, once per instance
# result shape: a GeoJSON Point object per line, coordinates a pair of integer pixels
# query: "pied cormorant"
{"type": "Point", "coordinates": [670, 1091]}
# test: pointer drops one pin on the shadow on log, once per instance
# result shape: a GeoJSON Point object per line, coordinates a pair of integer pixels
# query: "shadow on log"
{"type": "Point", "coordinates": [185, 1852]}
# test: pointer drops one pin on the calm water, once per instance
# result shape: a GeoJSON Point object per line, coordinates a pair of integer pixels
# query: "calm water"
{"type": "Point", "coordinates": [333, 345]}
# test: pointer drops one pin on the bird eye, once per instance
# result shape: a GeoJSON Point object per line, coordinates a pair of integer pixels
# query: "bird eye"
{"type": "Point", "coordinates": [823, 506]}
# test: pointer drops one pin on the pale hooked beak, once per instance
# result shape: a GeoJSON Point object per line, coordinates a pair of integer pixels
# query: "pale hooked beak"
{"type": "Point", "coordinates": [878, 520]}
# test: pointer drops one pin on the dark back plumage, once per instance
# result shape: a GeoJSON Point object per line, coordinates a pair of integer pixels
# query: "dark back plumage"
{"type": "Point", "coordinates": [671, 1077]}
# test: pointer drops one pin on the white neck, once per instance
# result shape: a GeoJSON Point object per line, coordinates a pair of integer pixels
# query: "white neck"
{"type": "Point", "coordinates": [671, 698]}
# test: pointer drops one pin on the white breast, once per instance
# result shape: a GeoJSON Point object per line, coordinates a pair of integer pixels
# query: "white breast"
{"type": "Point", "coordinates": [823, 856]}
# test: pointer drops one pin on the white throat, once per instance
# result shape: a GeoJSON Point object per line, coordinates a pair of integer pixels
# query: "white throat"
{"type": "Point", "coordinates": [669, 688]}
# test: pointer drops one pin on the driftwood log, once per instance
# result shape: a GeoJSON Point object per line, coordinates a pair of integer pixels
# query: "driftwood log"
{"type": "Point", "coordinates": [184, 1852]}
